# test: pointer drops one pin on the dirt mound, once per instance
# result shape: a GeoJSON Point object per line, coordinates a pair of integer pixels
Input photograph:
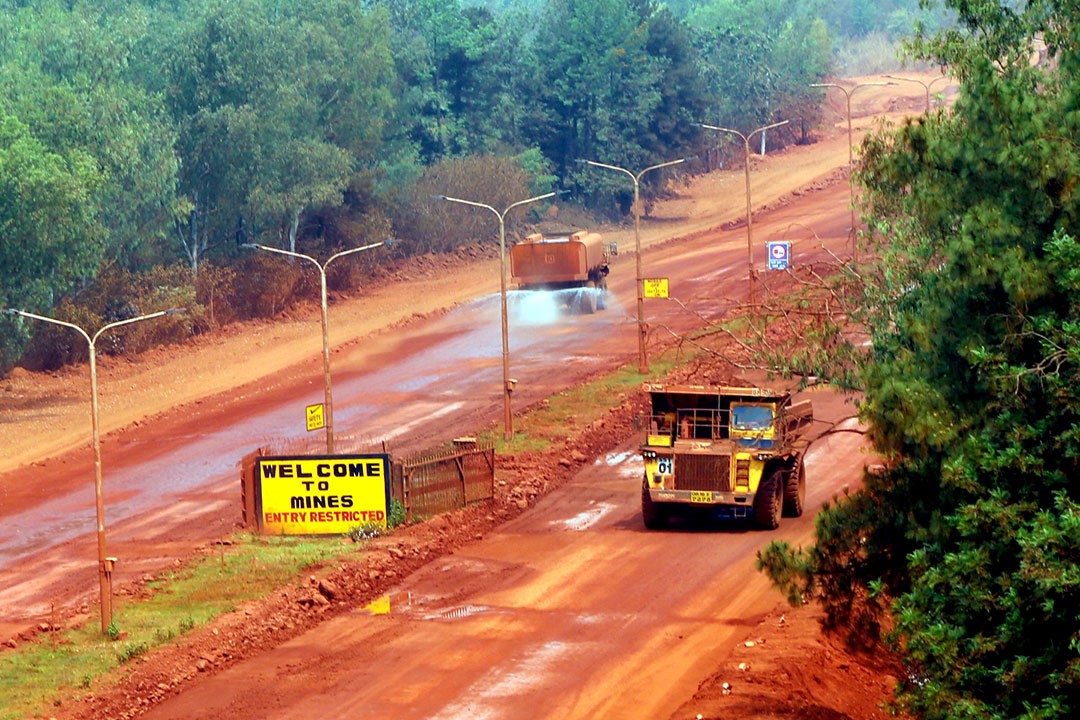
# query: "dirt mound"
{"type": "Point", "coordinates": [786, 668]}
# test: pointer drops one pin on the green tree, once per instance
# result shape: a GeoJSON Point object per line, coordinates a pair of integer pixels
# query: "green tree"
{"type": "Point", "coordinates": [760, 59]}
{"type": "Point", "coordinates": [457, 65]}
{"type": "Point", "coordinates": [65, 70]}
{"type": "Point", "coordinates": [326, 117]}
{"type": "Point", "coordinates": [969, 536]}
{"type": "Point", "coordinates": [278, 105]}
{"type": "Point", "coordinates": [607, 83]}
{"type": "Point", "coordinates": [50, 236]}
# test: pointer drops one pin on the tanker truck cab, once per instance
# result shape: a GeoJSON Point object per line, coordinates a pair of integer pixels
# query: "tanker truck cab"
{"type": "Point", "coordinates": [733, 452]}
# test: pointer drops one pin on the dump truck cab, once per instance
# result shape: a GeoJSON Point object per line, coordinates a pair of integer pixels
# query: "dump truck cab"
{"type": "Point", "coordinates": [731, 451]}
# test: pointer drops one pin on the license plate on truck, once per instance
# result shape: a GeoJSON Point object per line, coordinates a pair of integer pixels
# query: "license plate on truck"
{"type": "Point", "coordinates": [700, 496]}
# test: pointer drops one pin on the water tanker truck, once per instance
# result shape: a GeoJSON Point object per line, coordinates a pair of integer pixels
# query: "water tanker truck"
{"type": "Point", "coordinates": [562, 261]}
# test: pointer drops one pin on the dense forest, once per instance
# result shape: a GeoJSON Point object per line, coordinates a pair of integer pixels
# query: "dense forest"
{"type": "Point", "coordinates": [963, 549]}
{"type": "Point", "coordinates": [143, 141]}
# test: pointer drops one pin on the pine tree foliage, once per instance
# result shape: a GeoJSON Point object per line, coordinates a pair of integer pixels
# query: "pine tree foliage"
{"type": "Point", "coordinates": [971, 534]}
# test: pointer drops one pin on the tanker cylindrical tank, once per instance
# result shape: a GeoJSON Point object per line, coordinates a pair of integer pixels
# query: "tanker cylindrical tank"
{"type": "Point", "coordinates": [556, 261]}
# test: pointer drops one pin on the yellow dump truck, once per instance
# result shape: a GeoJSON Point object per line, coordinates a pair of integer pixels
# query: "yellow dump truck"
{"type": "Point", "coordinates": [566, 260]}
{"type": "Point", "coordinates": [728, 451]}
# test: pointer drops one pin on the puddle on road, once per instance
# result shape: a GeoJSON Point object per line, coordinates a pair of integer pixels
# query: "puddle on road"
{"type": "Point", "coordinates": [457, 613]}
{"type": "Point", "coordinates": [389, 603]}
{"type": "Point", "coordinates": [401, 603]}
{"type": "Point", "coordinates": [612, 459]}
{"type": "Point", "coordinates": [587, 518]}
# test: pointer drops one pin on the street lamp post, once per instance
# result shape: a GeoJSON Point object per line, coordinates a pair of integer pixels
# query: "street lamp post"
{"type": "Point", "coordinates": [328, 396]}
{"type": "Point", "coordinates": [643, 364]}
{"type": "Point", "coordinates": [925, 85]}
{"type": "Point", "coordinates": [749, 212]}
{"type": "Point", "coordinates": [508, 420]}
{"type": "Point", "coordinates": [851, 149]}
{"type": "Point", "coordinates": [105, 563]}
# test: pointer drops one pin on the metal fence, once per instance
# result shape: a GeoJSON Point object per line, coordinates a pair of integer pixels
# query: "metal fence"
{"type": "Point", "coordinates": [433, 482]}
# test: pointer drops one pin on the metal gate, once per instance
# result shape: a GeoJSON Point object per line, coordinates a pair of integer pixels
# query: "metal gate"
{"type": "Point", "coordinates": [434, 482]}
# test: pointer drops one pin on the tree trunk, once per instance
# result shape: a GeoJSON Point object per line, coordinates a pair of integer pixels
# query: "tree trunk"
{"type": "Point", "coordinates": [292, 229]}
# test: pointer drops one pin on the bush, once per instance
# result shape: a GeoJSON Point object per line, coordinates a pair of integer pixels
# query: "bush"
{"type": "Point", "coordinates": [53, 346]}
{"type": "Point", "coordinates": [264, 285]}
{"type": "Point", "coordinates": [118, 295]}
{"type": "Point", "coordinates": [213, 291]}
{"type": "Point", "coordinates": [397, 513]}
{"type": "Point", "coordinates": [431, 225]}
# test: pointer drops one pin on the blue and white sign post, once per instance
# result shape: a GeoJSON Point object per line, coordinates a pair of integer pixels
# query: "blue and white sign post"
{"type": "Point", "coordinates": [779, 255]}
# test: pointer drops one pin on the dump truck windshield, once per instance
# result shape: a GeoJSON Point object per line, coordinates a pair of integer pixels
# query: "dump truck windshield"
{"type": "Point", "coordinates": [751, 417]}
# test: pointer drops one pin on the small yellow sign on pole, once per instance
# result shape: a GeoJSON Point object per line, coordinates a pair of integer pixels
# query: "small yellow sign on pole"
{"type": "Point", "coordinates": [316, 418]}
{"type": "Point", "coordinates": [656, 287]}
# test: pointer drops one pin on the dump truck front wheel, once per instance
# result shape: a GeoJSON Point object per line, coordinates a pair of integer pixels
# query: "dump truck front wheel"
{"type": "Point", "coordinates": [795, 490]}
{"type": "Point", "coordinates": [769, 500]}
{"type": "Point", "coordinates": [654, 516]}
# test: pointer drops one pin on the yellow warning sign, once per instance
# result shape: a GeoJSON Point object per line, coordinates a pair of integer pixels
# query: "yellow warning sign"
{"type": "Point", "coordinates": [656, 287]}
{"type": "Point", "coordinates": [321, 495]}
{"type": "Point", "coordinates": [316, 419]}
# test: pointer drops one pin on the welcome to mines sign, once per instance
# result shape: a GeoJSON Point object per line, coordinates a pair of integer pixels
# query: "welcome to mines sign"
{"type": "Point", "coordinates": [321, 495]}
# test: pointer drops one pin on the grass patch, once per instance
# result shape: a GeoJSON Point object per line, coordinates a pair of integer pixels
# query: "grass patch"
{"type": "Point", "coordinates": [568, 411]}
{"type": "Point", "coordinates": [60, 667]}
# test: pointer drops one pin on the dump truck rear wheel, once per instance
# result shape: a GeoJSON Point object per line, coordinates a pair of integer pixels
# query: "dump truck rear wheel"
{"type": "Point", "coordinates": [654, 516]}
{"type": "Point", "coordinates": [769, 500]}
{"type": "Point", "coordinates": [795, 490]}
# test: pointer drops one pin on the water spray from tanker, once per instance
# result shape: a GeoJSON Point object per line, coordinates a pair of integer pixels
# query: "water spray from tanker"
{"type": "Point", "coordinates": [547, 307]}
{"type": "Point", "coordinates": [538, 308]}
{"type": "Point", "coordinates": [532, 307]}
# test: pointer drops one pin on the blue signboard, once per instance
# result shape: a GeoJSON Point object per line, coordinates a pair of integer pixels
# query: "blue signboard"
{"type": "Point", "coordinates": [779, 255]}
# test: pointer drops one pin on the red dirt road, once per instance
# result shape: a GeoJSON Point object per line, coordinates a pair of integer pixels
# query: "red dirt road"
{"type": "Point", "coordinates": [572, 610]}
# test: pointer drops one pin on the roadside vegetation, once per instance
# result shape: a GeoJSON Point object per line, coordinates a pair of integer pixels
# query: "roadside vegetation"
{"type": "Point", "coordinates": [962, 550]}
{"type": "Point", "coordinates": [547, 424]}
{"type": "Point", "coordinates": [62, 664]}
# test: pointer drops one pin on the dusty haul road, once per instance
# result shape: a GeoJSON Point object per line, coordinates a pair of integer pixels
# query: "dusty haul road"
{"type": "Point", "coordinates": [566, 610]}
{"type": "Point", "coordinates": [571, 611]}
